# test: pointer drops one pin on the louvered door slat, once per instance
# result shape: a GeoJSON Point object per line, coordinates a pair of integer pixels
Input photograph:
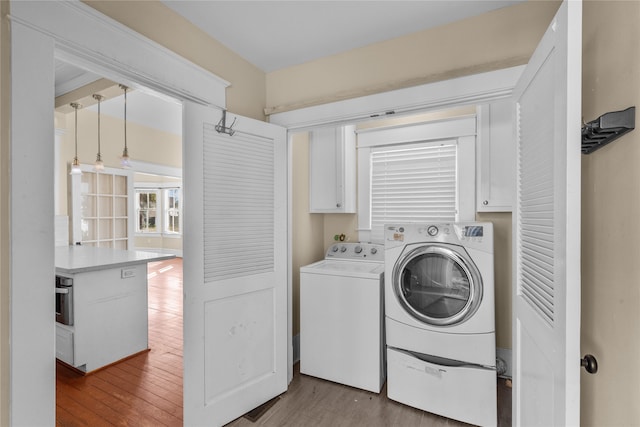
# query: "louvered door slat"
{"type": "Point", "coordinates": [238, 205]}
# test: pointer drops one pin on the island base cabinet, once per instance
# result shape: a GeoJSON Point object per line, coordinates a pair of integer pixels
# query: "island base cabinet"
{"type": "Point", "coordinates": [64, 344]}
{"type": "Point", "coordinates": [110, 318]}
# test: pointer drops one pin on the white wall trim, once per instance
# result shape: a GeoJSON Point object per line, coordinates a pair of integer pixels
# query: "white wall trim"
{"type": "Point", "coordinates": [468, 90]}
{"type": "Point", "coordinates": [91, 40]}
{"type": "Point", "coordinates": [176, 252]}
{"type": "Point", "coordinates": [155, 169]}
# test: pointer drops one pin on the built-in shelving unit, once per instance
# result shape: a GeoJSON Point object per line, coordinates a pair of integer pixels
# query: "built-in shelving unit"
{"type": "Point", "coordinates": [101, 208]}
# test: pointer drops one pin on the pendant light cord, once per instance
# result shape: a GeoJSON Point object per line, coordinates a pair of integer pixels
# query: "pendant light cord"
{"type": "Point", "coordinates": [125, 120]}
{"type": "Point", "coordinates": [99, 98]}
{"type": "Point", "coordinates": [99, 150]}
{"type": "Point", "coordinates": [75, 107]}
{"type": "Point", "coordinates": [125, 160]}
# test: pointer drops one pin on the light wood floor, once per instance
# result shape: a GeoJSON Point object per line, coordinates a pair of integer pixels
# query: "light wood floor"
{"type": "Point", "coordinates": [146, 390]}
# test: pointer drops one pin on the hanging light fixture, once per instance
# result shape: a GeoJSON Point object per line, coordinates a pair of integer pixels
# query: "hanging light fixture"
{"type": "Point", "coordinates": [99, 164]}
{"type": "Point", "coordinates": [125, 160]}
{"type": "Point", "coordinates": [75, 166]}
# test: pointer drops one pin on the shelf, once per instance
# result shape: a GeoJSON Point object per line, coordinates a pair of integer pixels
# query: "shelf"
{"type": "Point", "coordinates": [607, 128]}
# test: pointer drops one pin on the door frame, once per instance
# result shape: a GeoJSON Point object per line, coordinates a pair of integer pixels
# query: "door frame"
{"type": "Point", "coordinates": [77, 33]}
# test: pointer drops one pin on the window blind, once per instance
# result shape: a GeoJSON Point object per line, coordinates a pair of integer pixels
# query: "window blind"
{"type": "Point", "coordinates": [412, 183]}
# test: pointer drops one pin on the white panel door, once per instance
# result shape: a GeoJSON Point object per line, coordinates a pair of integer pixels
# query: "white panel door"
{"type": "Point", "coordinates": [235, 280]}
{"type": "Point", "coordinates": [547, 228]}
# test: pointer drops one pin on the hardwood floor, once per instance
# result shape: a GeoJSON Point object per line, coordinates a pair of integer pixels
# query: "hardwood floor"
{"type": "Point", "coordinates": [315, 402]}
{"type": "Point", "coordinates": [146, 390]}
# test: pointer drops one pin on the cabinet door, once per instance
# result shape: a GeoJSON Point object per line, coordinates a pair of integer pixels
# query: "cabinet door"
{"type": "Point", "coordinates": [64, 344]}
{"type": "Point", "coordinates": [496, 161]}
{"type": "Point", "coordinates": [332, 170]}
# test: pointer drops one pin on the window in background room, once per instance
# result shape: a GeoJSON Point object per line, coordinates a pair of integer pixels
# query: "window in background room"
{"type": "Point", "coordinates": [147, 209]}
{"type": "Point", "coordinates": [158, 209]}
{"type": "Point", "coordinates": [172, 210]}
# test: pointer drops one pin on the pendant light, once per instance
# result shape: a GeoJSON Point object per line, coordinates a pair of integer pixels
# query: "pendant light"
{"type": "Point", "coordinates": [75, 166]}
{"type": "Point", "coordinates": [99, 164]}
{"type": "Point", "coordinates": [125, 160]}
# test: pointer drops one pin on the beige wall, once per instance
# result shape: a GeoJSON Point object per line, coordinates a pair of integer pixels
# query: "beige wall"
{"type": "Point", "coordinates": [308, 229]}
{"type": "Point", "coordinates": [5, 249]}
{"type": "Point", "coordinates": [502, 273]}
{"type": "Point", "coordinates": [611, 218]}
{"type": "Point", "coordinates": [499, 39]}
{"type": "Point", "coordinates": [245, 96]}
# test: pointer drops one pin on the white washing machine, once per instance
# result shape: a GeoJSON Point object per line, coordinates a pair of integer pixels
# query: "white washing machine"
{"type": "Point", "coordinates": [342, 316]}
{"type": "Point", "coordinates": [440, 319]}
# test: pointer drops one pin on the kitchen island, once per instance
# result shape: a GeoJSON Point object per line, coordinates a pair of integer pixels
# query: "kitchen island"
{"type": "Point", "coordinates": [109, 310]}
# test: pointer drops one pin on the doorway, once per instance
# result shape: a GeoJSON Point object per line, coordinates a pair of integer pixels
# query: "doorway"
{"type": "Point", "coordinates": [148, 385]}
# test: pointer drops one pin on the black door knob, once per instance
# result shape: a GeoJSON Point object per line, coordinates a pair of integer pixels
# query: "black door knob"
{"type": "Point", "coordinates": [589, 363]}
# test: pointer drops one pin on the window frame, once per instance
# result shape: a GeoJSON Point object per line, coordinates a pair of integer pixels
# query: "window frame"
{"type": "Point", "coordinates": [166, 208]}
{"type": "Point", "coordinates": [461, 129]}
{"type": "Point", "coordinates": [162, 191]}
{"type": "Point", "coordinates": [158, 209]}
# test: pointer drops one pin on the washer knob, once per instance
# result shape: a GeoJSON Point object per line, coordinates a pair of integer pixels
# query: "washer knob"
{"type": "Point", "coordinates": [432, 230]}
{"type": "Point", "coordinates": [374, 251]}
{"type": "Point", "coordinates": [343, 249]}
{"type": "Point", "coordinates": [334, 248]}
{"type": "Point", "coordinates": [358, 249]}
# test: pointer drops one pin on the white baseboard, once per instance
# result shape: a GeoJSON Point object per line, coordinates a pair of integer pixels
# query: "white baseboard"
{"type": "Point", "coordinates": [504, 354]}
{"type": "Point", "coordinates": [176, 252]}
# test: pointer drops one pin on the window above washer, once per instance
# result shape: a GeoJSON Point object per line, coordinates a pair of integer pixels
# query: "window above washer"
{"type": "Point", "coordinates": [416, 173]}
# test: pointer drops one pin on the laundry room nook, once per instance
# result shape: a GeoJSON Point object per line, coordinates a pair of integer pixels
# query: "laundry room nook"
{"type": "Point", "coordinates": [387, 299]}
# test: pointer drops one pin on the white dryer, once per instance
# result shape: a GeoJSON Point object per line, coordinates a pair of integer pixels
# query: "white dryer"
{"type": "Point", "coordinates": [440, 319]}
{"type": "Point", "coordinates": [342, 316]}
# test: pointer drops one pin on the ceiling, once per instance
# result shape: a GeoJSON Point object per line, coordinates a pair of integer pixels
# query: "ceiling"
{"type": "Point", "coordinates": [277, 34]}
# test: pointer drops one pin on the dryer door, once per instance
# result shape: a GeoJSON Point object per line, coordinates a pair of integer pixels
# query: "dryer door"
{"type": "Point", "coordinates": [438, 284]}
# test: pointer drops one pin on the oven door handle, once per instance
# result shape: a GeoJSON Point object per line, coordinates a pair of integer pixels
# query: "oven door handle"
{"type": "Point", "coordinates": [62, 290]}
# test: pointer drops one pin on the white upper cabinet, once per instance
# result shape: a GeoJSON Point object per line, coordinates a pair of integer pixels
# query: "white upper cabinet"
{"type": "Point", "coordinates": [496, 158]}
{"type": "Point", "coordinates": [332, 170]}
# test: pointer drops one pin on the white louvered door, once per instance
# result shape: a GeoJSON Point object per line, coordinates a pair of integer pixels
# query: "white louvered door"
{"type": "Point", "coordinates": [546, 301]}
{"type": "Point", "coordinates": [235, 281]}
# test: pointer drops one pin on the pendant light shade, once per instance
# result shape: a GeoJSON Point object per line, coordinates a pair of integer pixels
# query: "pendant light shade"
{"type": "Point", "coordinates": [75, 165]}
{"type": "Point", "coordinates": [99, 164]}
{"type": "Point", "coordinates": [125, 160]}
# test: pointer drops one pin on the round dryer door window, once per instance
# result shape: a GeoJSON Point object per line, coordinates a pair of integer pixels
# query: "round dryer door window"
{"type": "Point", "coordinates": [437, 284]}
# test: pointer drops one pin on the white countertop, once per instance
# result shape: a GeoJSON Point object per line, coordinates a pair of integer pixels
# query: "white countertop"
{"type": "Point", "coordinates": [79, 259]}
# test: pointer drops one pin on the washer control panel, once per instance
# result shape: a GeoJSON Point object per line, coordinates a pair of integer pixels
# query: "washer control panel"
{"type": "Point", "coordinates": [477, 234]}
{"type": "Point", "coordinates": [363, 251]}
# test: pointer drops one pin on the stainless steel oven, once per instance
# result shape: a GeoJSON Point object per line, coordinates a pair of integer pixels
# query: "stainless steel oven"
{"type": "Point", "coordinates": [64, 300]}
